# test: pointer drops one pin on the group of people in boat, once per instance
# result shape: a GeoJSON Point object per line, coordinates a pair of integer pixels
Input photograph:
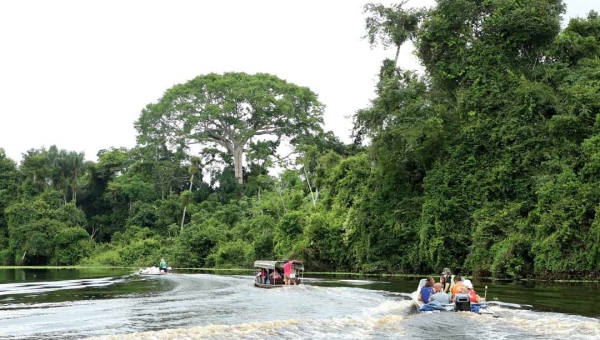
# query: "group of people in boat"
{"type": "Point", "coordinates": [285, 275]}
{"type": "Point", "coordinates": [446, 290]}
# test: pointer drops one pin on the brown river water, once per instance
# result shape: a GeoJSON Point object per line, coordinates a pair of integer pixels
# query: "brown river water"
{"type": "Point", "coordinates": [119, 304]}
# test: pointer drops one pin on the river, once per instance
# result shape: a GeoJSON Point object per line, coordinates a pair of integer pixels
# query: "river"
{"type": "Point", "coordinates": [118, 304]}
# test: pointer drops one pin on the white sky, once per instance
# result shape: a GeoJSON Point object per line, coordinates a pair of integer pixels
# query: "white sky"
{"type": "Point", "coordinates": [77, 73]}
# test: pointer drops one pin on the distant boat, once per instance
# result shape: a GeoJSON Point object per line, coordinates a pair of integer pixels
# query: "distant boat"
{"type": "Point", "coordinates": [269, 274]}
{"type": "Point", "coordinates": [154, 271]}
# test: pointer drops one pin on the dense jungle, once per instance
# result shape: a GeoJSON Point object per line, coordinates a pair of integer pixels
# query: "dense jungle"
{"type": "Point", "coordinates": [486, 161]}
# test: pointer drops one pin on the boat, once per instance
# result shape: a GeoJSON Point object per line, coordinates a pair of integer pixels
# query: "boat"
{"type": "Point", "coordinates": [154, 271]}
{"type": "Point", "coordinates": [481, 308]}
{"type": "Point", "coordinates": [269, 274]}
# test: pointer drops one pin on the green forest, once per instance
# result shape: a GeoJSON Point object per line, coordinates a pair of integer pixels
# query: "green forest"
{"type": "Point", "coordinates": [487, 161]}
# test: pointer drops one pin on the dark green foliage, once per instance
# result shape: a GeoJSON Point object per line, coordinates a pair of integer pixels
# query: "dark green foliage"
{"type": "Point", "coordinates": [488, 163]}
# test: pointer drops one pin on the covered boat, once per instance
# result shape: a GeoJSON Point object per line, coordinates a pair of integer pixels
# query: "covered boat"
{"type": "Point", "coordinates": [269, 274]}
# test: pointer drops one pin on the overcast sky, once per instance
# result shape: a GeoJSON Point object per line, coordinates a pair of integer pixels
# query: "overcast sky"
{"type": "Point", "coordinates": [77, 73]}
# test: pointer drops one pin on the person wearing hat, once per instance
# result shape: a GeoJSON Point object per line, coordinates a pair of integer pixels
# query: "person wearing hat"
{"type": "Point", "coordinates": [288, 271]}
{"type": "Point", "coordinates": [472, 294]}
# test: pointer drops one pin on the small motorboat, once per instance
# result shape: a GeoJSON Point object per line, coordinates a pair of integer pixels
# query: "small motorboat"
{"type": "Point", "coordinates": [154, 271]}
{"type": "Point", "coordinates": [269, 274]}
{"type": "Point", "coordinates": [462, 303]}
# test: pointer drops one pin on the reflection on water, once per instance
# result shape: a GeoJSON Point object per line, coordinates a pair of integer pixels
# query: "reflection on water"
{"type": "Point", "coordinates": [204, 306]}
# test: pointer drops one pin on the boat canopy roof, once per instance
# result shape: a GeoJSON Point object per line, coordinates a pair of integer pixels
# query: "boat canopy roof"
{"type": "Point", "coordinates": [276, 264]}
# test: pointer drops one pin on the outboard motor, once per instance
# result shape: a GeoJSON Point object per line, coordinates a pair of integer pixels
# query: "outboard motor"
{"type": "Point", "coordinates": [463, 303]}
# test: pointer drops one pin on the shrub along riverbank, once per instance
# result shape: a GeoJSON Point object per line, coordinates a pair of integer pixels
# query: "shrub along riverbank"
{"type": "Point", "coordinates": [488, 164]}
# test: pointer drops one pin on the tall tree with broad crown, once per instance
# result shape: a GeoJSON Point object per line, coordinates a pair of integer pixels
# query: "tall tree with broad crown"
{"type": "Point", "coordinates": [391, 26]}
{"type": "Point", "coordinates": [228, 111]}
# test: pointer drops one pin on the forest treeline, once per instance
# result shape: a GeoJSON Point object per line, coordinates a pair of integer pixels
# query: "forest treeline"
{"type": "Point", "coordinates": [488, 162]}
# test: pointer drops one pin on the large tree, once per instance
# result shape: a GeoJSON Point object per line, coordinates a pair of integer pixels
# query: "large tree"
{"type": "Point", "coordinates": [228, 111]}
{"type": "Point", "coordinates": [391, 26]}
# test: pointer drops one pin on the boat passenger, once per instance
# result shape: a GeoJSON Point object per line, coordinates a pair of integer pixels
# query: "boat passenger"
{"type": "Point", "coordinates": [425, 292]}
{"type": "Point", "coordinates": [437, 294]}
{"type": "Point", "coordinates": [267, 278]}
{"type": "Point", "coordinates": [288, 272]}
{"type": "Point", "coordinates": [275, 275]}
{"type": "Point", "coordinates": [457, 287]}
{"type": "Point", "coordinates": [473, 297]}
{"type": "Point", "coordinates": [446, 279]}
{"type": "Point", "coordinates": [162, 266]}
{"type": "Point", "coordinates": [263, 274]}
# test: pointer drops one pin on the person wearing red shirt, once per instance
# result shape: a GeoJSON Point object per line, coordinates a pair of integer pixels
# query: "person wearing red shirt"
{"type": "Point", "coordinates": [288, 269]}
{"type": "Point", "coordinates": [472, 294]}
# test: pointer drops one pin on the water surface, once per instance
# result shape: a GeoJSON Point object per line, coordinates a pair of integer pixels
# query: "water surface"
{"type": "Point", "coordinates": [119, 304]}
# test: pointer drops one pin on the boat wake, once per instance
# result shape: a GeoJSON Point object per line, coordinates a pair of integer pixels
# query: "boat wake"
{"type": "Point", "coordinates": [42, 287]}
{"type": "Point", "coordinates": [333, 328]}
{"type": "Point", "coordinates": [550, 325]}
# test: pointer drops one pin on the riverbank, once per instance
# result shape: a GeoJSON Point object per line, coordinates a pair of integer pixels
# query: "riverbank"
{"type": "Point", "coordinates": [557, 279]}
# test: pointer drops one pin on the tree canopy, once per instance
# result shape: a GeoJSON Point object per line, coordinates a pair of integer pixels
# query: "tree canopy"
{"type": "Point", "coordinates": [228, 111]}
{"type": "Point", "coordinates": [487, 162]}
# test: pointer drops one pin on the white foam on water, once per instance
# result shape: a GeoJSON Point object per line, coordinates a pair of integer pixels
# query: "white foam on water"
{"type": "Point", "coordinates": [390, 306]}
{"type": "Point", "coordinates": [333, 328]}
{"type": "Point", "coordinates": [548, 324]}
{"type": "Point", "coordinates": [361, 282]}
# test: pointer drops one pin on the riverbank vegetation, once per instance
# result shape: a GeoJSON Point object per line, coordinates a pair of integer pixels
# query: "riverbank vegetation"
{"type": "Point", "coordinates": [487, 163]}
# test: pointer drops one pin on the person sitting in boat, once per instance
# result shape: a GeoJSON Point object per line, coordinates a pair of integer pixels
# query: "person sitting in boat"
{"type": "Point", "coordinates": [446, 279]}
{"type": "Point", "coordinates": [263, 275]}
{"type": "Point", "coordinates": [458, 286]}
{"type": "Point", "coordinates": [425, 292]}
{"type": "Point", "coordinates": [438, 294]}
{"type": "Point", "coordinates": [472, 294]}
{"type": "Point", "coordinates": [162, 266]}
{"type": "Point", "coordinates": [275, 275]}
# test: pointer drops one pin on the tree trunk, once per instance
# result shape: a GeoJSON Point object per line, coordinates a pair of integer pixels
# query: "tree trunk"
{"type": "Point", "coordinates": [186, 203]}
{"type": "Point", "coordinates": [238, 156]}
{"type": "Point", "coordinates": [397, 55]}
{"type": "Point", "coordinates": [280, 190]}
{"type": "Point", "coordinates": [75, 187]}
{"type": "Point", "coordinates": [313, 195]}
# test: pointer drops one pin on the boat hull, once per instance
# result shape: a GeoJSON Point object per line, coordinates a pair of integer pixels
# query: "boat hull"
{"type": "Point", "coordinates": [266, 286]}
